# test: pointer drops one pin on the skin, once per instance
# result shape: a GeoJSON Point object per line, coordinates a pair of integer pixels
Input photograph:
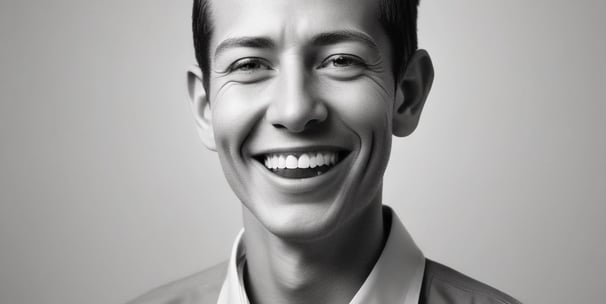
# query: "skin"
{"type": "Point", "coordinates": [282, 82]}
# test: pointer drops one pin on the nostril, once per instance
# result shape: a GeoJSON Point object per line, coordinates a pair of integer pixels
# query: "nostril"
{"type": "Point", "coordinates": [296, 116]}
{"type": "Point", "coordinates": [312, 123]}
{"type": "Point", "coordinates": [308, 125]}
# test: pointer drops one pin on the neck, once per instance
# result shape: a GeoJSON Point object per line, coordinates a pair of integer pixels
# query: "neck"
{"type": "Point", "coordinates": [326, 270]}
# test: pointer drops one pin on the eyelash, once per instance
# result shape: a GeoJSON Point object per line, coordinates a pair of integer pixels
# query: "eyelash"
{"type": "Point", "coordinates": [354, 60]}
{"type": "Point", "coordinates": [242, 63]}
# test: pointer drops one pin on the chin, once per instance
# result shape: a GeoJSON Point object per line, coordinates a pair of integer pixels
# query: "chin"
{"type": "Point", "coordinates": [300, 222]}
{"type": "Point", "coordinates": [308, 222]}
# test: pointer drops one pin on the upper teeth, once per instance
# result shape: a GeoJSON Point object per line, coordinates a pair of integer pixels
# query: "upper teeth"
{"type": "Point", "coordinates": [303, 161]}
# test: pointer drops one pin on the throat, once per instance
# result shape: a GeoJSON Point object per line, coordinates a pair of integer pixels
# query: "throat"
{"type": "Point", "coordinates": [328, 270]}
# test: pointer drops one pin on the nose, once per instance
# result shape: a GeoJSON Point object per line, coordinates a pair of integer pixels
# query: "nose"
{"type": "Point", "coordinates": [296, 106]}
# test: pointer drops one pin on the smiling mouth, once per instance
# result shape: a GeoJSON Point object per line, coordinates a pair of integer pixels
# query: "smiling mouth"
{"type": "Point", "coordinates": [301, 164]}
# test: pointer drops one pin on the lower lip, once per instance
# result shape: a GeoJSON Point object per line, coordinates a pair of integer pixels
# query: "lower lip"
{"type": "Point", "coordinates": [303, 185]}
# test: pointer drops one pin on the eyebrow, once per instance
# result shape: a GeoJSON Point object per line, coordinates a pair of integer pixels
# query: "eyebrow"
{"type": "Point", "coordinates": [335, 37]}
{"type": "Point", "coordinates": [322, 39]}
{"type": "Point", "coordinates": [249, 42]}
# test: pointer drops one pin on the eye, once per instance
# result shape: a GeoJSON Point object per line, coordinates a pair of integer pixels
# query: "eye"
{"type": "Point", "coordinates": [342, 61]}
{"type": "Point", "coordinates": [343, 67]}
{"type": "Point", "coordinates": [249, 65]}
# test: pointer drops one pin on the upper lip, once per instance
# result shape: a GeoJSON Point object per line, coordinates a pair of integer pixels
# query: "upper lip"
{"type": "Point", "coordinates": [299, 149]}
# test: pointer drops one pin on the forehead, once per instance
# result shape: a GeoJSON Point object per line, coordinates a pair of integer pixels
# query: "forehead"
{"type": "Point", "coordinates": [292, 21]}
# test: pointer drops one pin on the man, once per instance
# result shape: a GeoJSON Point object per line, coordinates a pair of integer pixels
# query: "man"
{"type": "Point", "coordinates": [300, 99]}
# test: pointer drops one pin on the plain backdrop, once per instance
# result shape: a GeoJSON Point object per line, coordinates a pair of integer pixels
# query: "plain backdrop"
{"type": "Point", "coordinates": [106, 191]}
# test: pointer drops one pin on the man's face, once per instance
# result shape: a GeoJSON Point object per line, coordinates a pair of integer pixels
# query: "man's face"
{"type": "Point", "coordinates": [301, 96]}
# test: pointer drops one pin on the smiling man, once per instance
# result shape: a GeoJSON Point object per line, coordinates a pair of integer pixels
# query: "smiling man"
{"type": "Point", "coordinates": [301, 100]}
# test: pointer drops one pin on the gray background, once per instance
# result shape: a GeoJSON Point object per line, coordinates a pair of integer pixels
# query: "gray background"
{"type": "Point", "coordinates": [105, 190]}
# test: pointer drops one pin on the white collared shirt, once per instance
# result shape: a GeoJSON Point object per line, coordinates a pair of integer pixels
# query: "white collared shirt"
{"type": "Point", "coordinates": [395, 279]}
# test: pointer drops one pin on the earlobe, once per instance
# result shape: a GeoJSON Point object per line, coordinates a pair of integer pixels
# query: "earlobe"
{"type": "Point", "coordinates": [413, 88]}
{"type": "Point", "coordinates": [200, 107]}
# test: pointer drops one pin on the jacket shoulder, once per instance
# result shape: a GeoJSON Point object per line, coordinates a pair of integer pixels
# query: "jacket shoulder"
{"type": "Point", "coordinates": [443, 285]}
{"type": "Point", "coordinates": [199, 288]}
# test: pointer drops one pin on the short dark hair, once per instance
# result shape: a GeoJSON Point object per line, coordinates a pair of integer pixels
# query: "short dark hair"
{"type": "Point", "coordinates": [398, 18]}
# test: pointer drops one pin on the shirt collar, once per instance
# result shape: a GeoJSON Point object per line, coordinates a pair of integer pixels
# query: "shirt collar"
{"type": "Point", "coordinates": [396, 278]}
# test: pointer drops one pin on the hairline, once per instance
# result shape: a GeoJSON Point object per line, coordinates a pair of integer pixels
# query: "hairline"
{"type": "Point", "coordinates": [392, 15]}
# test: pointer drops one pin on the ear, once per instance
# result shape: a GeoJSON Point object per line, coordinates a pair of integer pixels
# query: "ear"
{"type": "Point", "coordinates": [413, 89]}
{"type": "Point", "coordinates": [200, 107]}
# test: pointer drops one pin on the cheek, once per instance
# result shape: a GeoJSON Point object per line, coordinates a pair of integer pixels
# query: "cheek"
{"type": "Point", "coordinates": [362, 105]}
{"type": "Point", "coordinates": [237, 108]}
